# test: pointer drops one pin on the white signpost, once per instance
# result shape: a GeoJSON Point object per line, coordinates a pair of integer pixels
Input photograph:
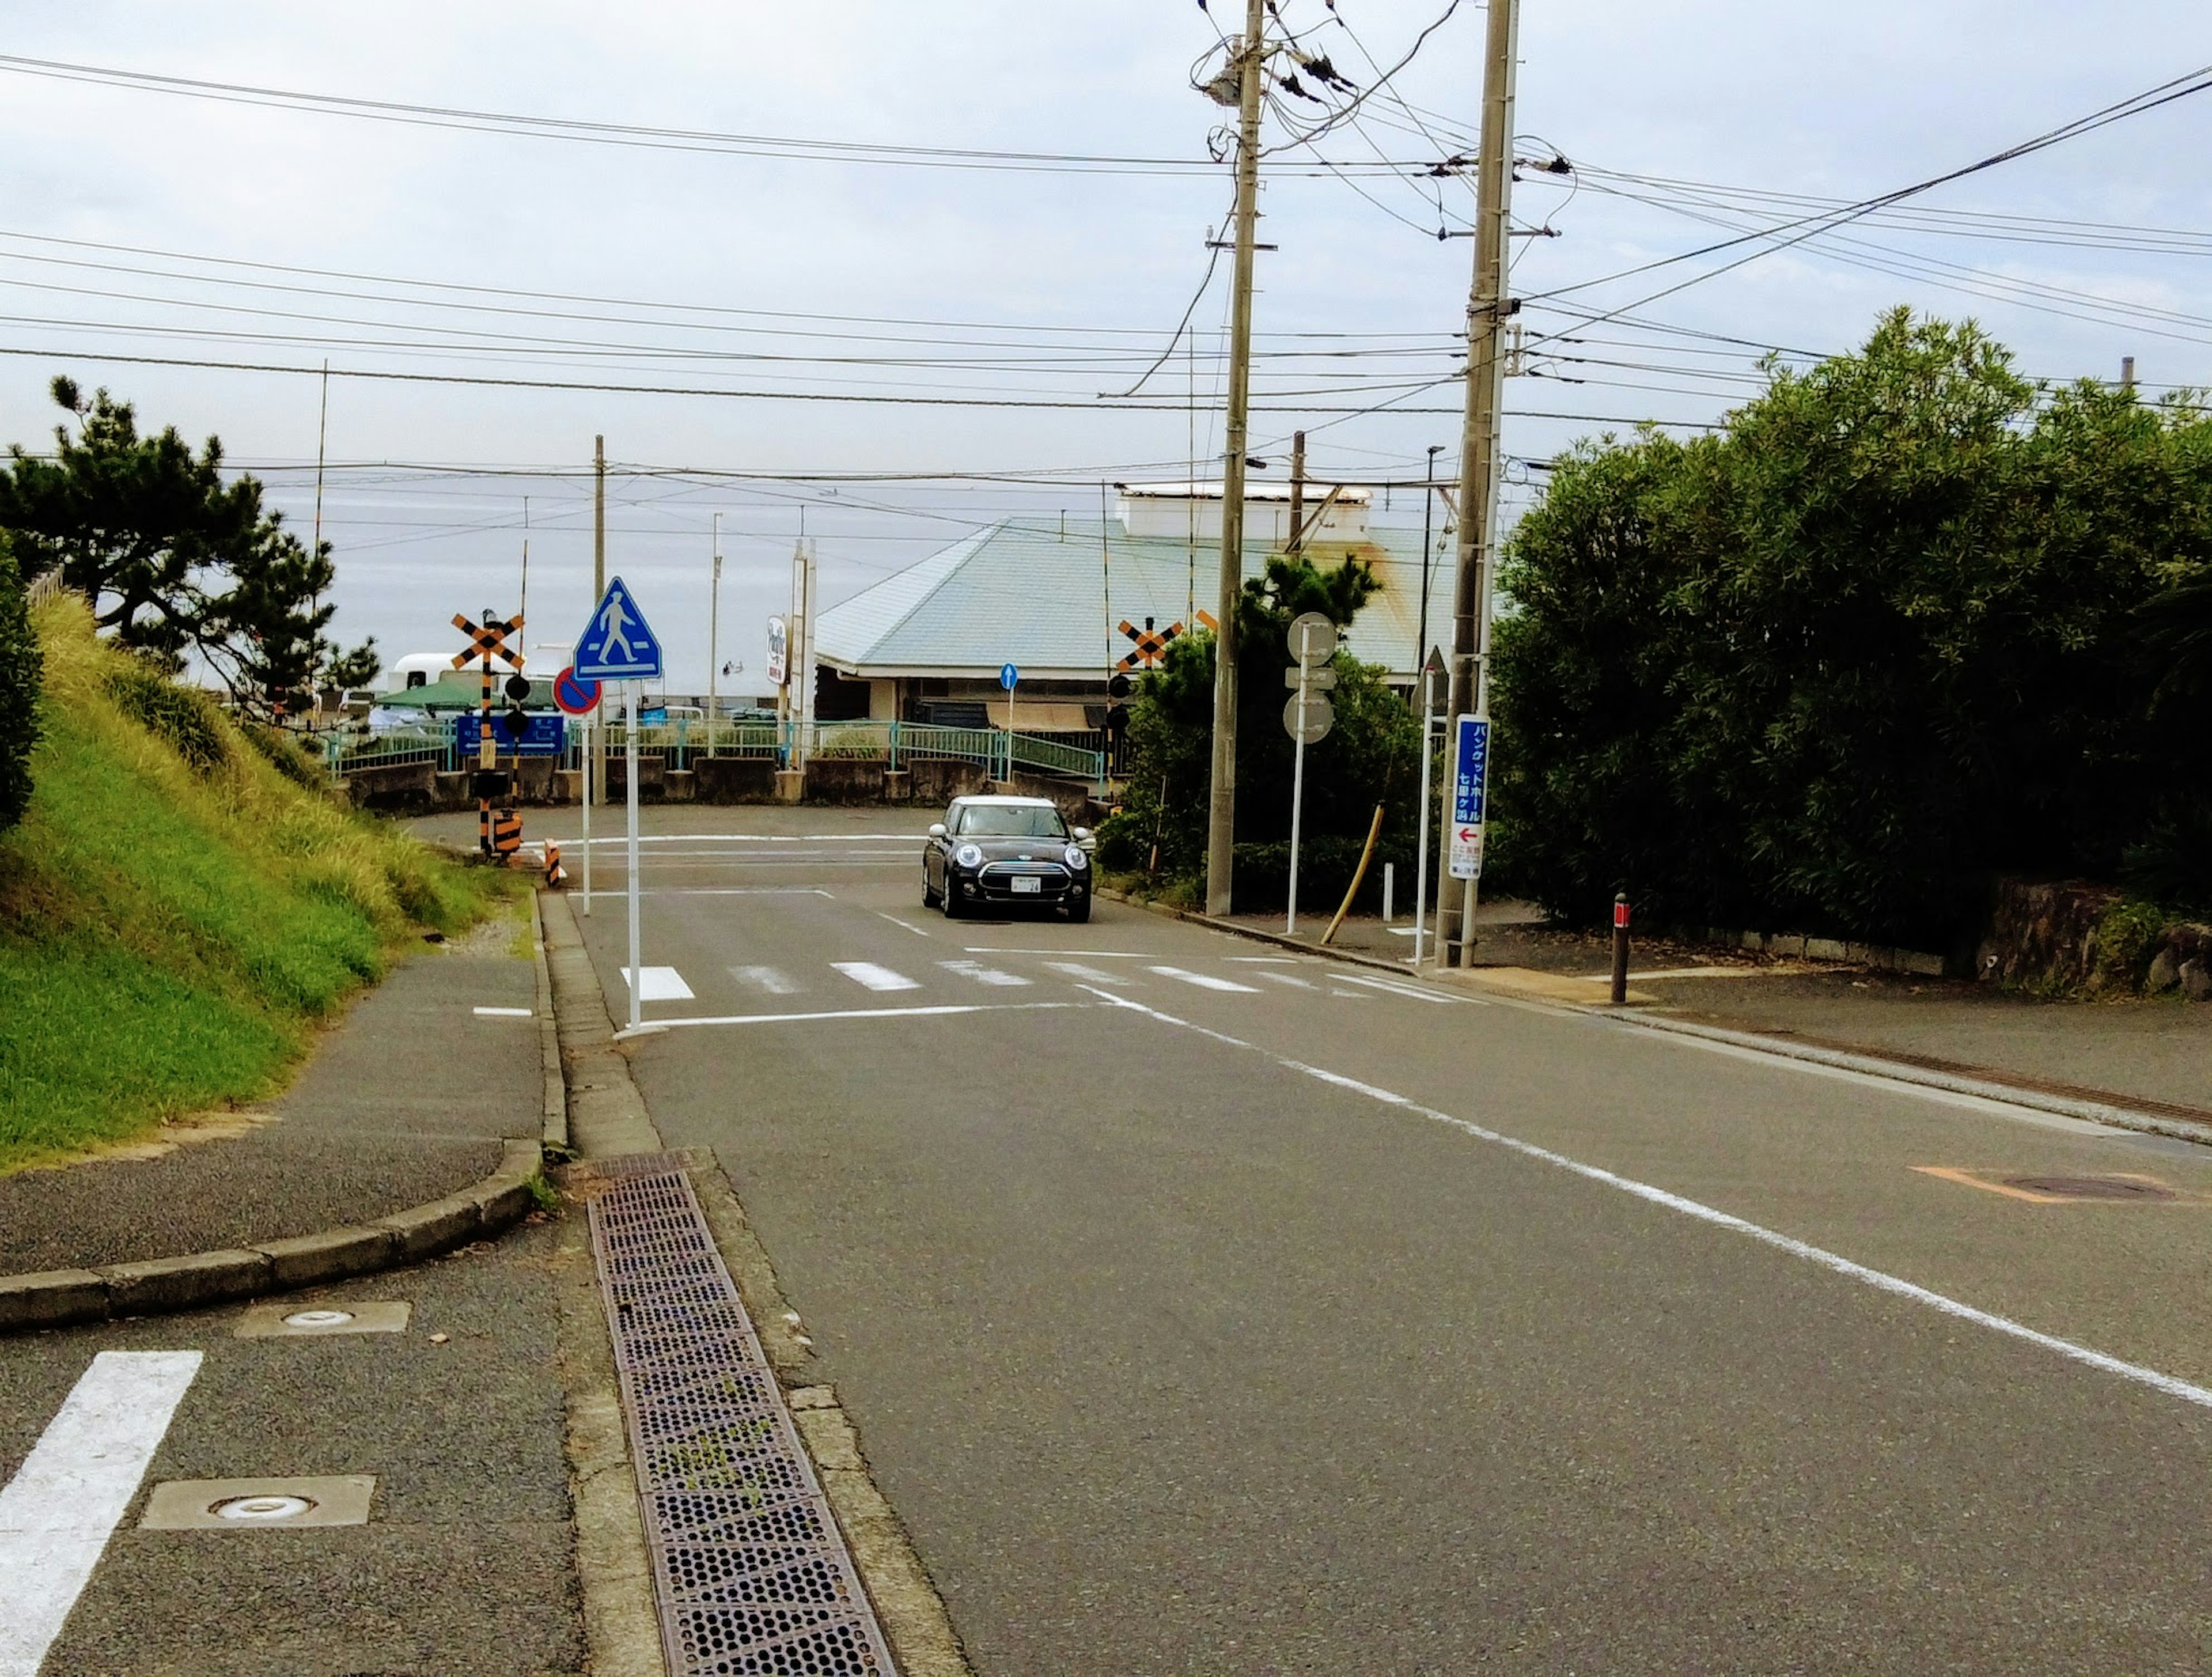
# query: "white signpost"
{"type": "Point", "coordinates": [1308, 716]}
{"type": "Point", "coordinates": [617, 645]}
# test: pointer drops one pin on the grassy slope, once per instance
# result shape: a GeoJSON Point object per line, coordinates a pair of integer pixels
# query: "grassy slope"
{"type": "Point", "coordinates": [168, 938]}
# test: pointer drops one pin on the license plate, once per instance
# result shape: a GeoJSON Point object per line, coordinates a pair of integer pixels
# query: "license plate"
{"type": "Point", "coordinates": [1025, 883]}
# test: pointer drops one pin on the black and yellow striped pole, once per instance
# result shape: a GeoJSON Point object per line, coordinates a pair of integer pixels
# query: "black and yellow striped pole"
{"type": "Point", "coordinates": [487, 641]}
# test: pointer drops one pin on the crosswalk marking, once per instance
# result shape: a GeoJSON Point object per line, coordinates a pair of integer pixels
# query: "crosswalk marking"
{"type": "Point", "coordinates": [1291, 979]}
{"type": "Point", "coordinates": [874, 976]}
{"type": "Point", "coordinates": [981, 974]}
{"type": "Point", "coordinates": [1204, 981]}
{"type": "Point", "coordinates": [767, 979]}
{"type": "Point", "coordinates": [660, 984]}
{"type": "Point", "coordinates": [1088, 974]}
{"type": "Point", "coordinates": [1392, 987]}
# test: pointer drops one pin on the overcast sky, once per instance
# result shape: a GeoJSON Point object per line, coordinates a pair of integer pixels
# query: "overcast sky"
{"type": "Point", "coordinates": [704, 266]}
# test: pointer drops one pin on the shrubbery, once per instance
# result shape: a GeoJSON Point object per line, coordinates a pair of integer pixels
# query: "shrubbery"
{"type": "Point", "coordinates": [19, 666]}
{"type": "Point", "coordinates": [1907, 623]}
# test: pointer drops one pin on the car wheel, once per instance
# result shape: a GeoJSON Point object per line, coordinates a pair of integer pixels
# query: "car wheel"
{"type": "Point", "coordinates": [1078, 912]}
{"type": "Point", "coordinates": [928, 893]}
{"type": "Point", "coordinates": [950, 902]}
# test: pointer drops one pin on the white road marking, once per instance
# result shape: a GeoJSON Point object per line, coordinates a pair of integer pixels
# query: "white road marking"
{"type": "Point", "coordinates": [1267, 960]}
{"type": "Point", "coordinates": [1288, 978]}
{"type": "Point", "coordinates": [1087, 954]}
{"type": "Point", "coordinates": [1338, 993]}
{"type": "Point", "coordinates": [767, 979]}
{"type": "Point", "coordinates": [654, 1027]}
{"type": "Point", "coordinates": [500, 1013]}
{"type": "Point", "coordinates": [981, 974]}
{"type": "Point", "coordinates": [1880, 1281]}
{"type": "Point", "coordinates": [753, 838]}
{"type": "Point", "coordinates": [874, 976]}
{"type": "Point", "coordinates": [660, 984]}
{"type": "Point", "coordinates": [741, 890]}
{"type": "Point", "coordinates": [896, 920]}
{"type": "Point", "coordinates": [1399, 988]}
{"type": "Point", "coordinates": [58, 1513]}
{"type": "Point", "coordinates": [1089, 975]}
{"type": "Point", "coordinates": [1204, 981]}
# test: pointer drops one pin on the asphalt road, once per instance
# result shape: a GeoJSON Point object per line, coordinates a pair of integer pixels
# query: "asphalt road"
{"type": "Point", "coordinates": [1206, 1308]}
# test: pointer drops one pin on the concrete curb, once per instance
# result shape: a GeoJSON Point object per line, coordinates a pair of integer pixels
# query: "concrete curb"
{"type": "Point", "coordinates": [62, 1297]}
{"type": "Point", "coordinates": [555, 1129]}
{"type": "Point", "coordinates": [2117, 1114]}
{"type": "Point", "coordinates": [2095, 1112]}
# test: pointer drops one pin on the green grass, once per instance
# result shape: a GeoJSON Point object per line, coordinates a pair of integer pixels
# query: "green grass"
{"type": "Point", "coordinates": [172, 928]}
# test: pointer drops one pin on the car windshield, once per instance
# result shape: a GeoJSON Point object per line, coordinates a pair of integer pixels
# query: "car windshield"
{"type": "Point", "coordinates": [1010, 821]}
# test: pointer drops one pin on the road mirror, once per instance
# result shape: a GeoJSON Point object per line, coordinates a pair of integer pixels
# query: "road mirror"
{"type": "Point", "coordinates": [937, 829]}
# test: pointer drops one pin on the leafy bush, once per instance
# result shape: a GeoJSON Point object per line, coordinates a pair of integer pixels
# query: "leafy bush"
{"type": "Point", "coordinates": [1830, 669]}
{"type": "Point", "coordinates": [19, 665]}
{"type": "Point", "coordinates": [294, 760]}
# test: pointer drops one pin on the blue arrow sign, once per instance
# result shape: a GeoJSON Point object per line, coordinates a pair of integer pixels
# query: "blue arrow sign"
{"type": "Point", "coordinates": [1008, 675]}
{"type": "Point", "coordinates": [617, 645]}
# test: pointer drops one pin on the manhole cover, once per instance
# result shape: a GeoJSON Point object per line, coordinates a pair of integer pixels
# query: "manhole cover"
{"type": "Point", "coordinates": [261, 1507]}
{"type": "Point", "coordinates": [2091, 1187]}
{"type": "Point", "coordinates": [319, 1318]}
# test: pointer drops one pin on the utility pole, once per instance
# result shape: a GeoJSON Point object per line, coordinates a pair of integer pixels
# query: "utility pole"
{"type": "Point", "coordinates": [1487, 311]}
{"type": "Point", "coordinates": [599, 790]}
{"type": "Point", "coordinates": [714, 640]}
{"type": "Point", "coordinates": [1221, 815]}
{"type": "Point", "coordinates": [1298, 490]}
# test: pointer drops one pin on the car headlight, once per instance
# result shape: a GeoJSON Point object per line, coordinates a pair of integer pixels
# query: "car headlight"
{"type": "Point", "coordinates": [968, 856]}
{"type": "Point", "coordinates": [1076, 859]}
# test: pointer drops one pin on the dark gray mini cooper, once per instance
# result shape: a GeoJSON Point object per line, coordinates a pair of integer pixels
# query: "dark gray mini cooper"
{"type": "Point", "coordinates": [1005, 853]}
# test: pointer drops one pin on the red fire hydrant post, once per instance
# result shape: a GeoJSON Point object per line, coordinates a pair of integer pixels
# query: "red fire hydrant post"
{"type": "Point", "coordinates": [1621, 949]}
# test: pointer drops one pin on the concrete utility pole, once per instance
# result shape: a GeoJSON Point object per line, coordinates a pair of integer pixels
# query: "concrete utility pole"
{"type": "Point", "coordinates": [714, 640]}
{"type": "Point", "coordinates": [1221, 815]}
{"type": "Point", "coordinates": [1298, 490]}
{"type": "Point", "coordinates": [1487, 311]}
{"type": "Point", "coordinates": [599, 787]}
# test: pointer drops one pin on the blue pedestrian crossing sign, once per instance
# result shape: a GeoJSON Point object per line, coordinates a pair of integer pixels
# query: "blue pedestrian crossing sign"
{"type": "Point", "coordinates": [617, 645]}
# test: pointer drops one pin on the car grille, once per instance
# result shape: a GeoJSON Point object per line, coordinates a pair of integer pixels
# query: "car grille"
{"type": "Point", "coordinates": [997, 879]}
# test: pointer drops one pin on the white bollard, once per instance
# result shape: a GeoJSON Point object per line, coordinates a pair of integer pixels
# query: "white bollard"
{"type": "Point", "coordinates": [1389, 890]}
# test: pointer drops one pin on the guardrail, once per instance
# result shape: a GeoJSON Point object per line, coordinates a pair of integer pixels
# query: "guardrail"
{"type": "Point", "coordinates": [680, 744]}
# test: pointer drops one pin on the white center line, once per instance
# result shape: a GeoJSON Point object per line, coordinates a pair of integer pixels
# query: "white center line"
{"type": "Point", "coordinates": [1835, 1263]}
{"type": "Point", "coordinates": [981, 974]}
{"type": "Point", "coordinates": [874, 976]}
{"type": "Point", "coordinates": [1086, 954]}
{"type": "Point", "coordinates": [1204, 981]}
{"type": "Point", "coordinates": [906, 925]}
{"type": "Point", "coordinates": [58, 1513]}
{"type": "Point", "coordinates": [767, 979]}
{"type": "Point", "coordinates": [500, 1013]}
{"type": "Point", "coordinates": [1291, 979]}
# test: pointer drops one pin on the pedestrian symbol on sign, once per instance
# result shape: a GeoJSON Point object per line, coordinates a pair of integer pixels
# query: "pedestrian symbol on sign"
{"type": "Point", "coordinates": [618, 644]}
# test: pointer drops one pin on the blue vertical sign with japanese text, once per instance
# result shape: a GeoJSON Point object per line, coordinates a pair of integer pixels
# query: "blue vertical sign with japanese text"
{"type": "Point", "coordinates": [1470, 781]}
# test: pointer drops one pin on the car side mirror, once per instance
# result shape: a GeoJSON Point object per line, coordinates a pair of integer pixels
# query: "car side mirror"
{"type": "Point", "coordinates": [1078, 833]}
{"type": "Point", "coordinates": [937, 829]}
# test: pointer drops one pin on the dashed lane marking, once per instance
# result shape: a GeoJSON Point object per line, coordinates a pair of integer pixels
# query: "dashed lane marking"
{"type": "Point", "coordinates": [867, 973]}
{"type": "Point", "coordinates": [767, 979]}
{"type": "Point", "coordinates": [983, 974]}
{"type": "Point", "coordinates": [1291, 979]}
{"type": "Point", "coordinates": [1204, 981]}
{"type": "Point", "coordinates": [904, 925]}
{"type": "Point", "coordinates": [59, 1510]}
{"type": "Point", "coordinates": [501, 1012]}
{"type": "Point", "coordinates": [1835, 1263]}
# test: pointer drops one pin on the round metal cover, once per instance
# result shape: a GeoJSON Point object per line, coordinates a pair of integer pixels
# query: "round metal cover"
{"type": "Point", "coordinates": [319, 1318]}
{"type": "Point", "coordinates": [262, 1508]}
{"type": "Point", "coordinates": [2093, 1187]}
{"type": "Point", "coordinates": [1321, 717]}
{"type": "Point", "coordinates": [1313, 638]}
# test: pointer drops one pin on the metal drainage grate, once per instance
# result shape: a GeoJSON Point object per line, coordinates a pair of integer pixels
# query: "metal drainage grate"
{"type": "Point", "coordinates": [750, 1570]}
{"type": "Point", "coordinates": [2093, 1187]}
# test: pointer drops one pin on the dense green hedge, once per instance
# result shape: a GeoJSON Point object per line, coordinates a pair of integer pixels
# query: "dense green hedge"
{"type": "Point", "coordinates": [1907, 623]}
{"type": "Point", "coordinates": [19, 692]}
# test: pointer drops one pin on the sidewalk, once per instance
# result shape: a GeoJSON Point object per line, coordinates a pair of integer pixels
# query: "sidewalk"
{"type": "Point", "coordinates": [408, 1099]}
{"type": "Point", "coordinates": [2154, 1052]}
